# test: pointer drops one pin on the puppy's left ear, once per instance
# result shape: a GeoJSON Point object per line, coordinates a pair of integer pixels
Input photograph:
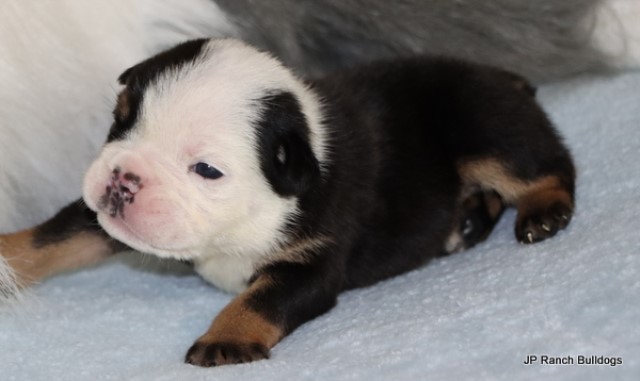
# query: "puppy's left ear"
{"type": "Point", "coordinates": [286, 157]}
{"type": "Point", "coordinates": [152, 67]}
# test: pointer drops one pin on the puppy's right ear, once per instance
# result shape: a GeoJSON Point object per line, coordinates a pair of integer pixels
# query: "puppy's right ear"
{"type": "Point", "coordinates": [138, 77]}
{"type": "Point", "coordinates": [123, 79]}
{"type": "Point", "coordinates": [126, 111]}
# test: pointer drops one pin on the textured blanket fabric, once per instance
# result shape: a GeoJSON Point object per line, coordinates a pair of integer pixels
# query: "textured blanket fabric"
{"type": "Point", "coordinates": [475, 315]}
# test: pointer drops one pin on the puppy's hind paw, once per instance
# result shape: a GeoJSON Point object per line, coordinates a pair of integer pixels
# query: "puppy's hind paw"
{"type": "Point", "coordinates": [541, 223]}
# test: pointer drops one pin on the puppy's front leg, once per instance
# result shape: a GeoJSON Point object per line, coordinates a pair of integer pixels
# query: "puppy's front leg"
{"type": "Point", "coordinates": [70, 240]}
{"type": "Point", "coordinates": [281, 297]}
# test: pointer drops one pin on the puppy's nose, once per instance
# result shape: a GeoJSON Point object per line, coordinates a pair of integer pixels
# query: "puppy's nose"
{"type": "Point", "coordinates": [121, 190]}
{"type": "Point", "coordinates": [128, 183]}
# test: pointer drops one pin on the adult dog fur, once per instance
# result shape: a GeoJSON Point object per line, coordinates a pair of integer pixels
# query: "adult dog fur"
{"type": "Point", "coordinates": [288, 192]}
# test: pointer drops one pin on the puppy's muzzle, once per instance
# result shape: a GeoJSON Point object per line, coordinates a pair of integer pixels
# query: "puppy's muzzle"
{"type": "Point", "coordinates": [120, 191]}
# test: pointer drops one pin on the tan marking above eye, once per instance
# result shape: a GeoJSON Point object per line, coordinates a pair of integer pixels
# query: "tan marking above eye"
{"type": "Point", "coordinates": [123, 109]}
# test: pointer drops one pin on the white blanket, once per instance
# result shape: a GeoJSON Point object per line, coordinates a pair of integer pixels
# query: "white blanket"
{"type": "Point", "coordinates": [475, 315]}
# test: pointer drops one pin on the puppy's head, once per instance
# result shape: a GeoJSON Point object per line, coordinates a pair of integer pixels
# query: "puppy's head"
{"type": "Point", "coordinates": [212, 144]}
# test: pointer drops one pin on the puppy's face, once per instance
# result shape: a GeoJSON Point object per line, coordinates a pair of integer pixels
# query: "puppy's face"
{"type": "Point", "coordinates": [212, 144]}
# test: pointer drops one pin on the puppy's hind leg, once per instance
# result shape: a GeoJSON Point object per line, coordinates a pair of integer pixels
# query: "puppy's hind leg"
{"type": "Point", "coordinates": [545, 201]}
{"type": "Point", "coordinates": [506, 143]}
{"type": "Point", "coordinates": [70, 240]}
{"type": "Point", "coordinates": [479, 212]}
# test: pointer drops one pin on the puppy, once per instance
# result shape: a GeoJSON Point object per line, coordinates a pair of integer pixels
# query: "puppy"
{"type": "Point", "coordinates": [288, 193]}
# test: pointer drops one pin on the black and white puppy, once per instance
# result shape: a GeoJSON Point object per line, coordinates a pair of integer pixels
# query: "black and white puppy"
{"type": "Point", "coordinates": [288, 192]}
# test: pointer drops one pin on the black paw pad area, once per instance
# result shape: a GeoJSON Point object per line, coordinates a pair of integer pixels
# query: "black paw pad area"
{"type": "Point", "coordinates": [540, 224]}
{"type": "Point", "coordinates": [215, 354]}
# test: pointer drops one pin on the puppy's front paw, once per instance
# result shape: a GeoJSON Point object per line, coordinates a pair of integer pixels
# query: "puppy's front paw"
{"type": "Point", "coordinates": [214, 354]}
{"type": "Point", "coordinates": [540, 223]}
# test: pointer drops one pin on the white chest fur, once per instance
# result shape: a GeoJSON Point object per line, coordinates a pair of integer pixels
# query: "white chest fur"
{"type": "Point", "coordinates": [227, 272]}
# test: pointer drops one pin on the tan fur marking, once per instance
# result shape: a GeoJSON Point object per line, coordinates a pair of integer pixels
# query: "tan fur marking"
{"type": "Point", "coordinates": [491, 174]}
{"type": "Point", "coordinates": [494, 204]}
{"type": "Point", "coordinates": [237, 323]}
{"type": "Point", "coordinates": [521, 85]}
{"type": "Point", "coordinates": [542, 199]}
{"type": "Point", "coordinates": [34, 264]}
{"type": "Point", "coordinates": [122, 106]}
{"type": "Point", "coordinates": [299, 250]}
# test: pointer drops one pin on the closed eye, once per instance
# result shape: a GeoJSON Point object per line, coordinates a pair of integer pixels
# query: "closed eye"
{"type": "Point", "coordinates": [207, 171]}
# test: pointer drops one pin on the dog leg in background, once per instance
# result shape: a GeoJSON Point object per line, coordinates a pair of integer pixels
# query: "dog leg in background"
{"type": "Point", "coordinates": [281, 297]}
{"type": "Point", "coordinates": [71, 239]}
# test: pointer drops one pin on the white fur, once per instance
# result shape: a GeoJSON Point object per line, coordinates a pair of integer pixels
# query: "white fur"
{"type": "Point", "coordinates": [616, 32]}
{"type": "Point", "coordinates": [205, 112]}
{"type": "Point", "coordinates": [59, 61]}
{"type": "Point", "coordinates": [8, 285]}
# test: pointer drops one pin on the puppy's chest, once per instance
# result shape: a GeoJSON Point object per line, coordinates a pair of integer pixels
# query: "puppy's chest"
{"type": "Point", "coordinates": [227, 272]}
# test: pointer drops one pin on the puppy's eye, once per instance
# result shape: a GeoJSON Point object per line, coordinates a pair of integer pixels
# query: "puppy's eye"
{"type": "Point", "coordinates": [207, 171]}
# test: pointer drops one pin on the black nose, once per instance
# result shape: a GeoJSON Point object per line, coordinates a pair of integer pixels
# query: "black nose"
{"type": "Point", "coordinates": [120, 191]}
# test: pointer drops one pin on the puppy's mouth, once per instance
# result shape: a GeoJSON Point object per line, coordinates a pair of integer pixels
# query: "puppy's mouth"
{"type": "Point", "coordinates": [149, 225]}
{"type": "Point", "coordinates": [126, 233]}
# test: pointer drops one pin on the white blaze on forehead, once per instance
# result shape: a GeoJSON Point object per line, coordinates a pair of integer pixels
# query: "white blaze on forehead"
{"type": "Point", "coordinates": [221, 89]}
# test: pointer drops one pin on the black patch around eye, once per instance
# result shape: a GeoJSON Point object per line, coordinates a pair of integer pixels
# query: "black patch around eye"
{"type": "Point", "coordinates": [286, 157]}
{"type": "Point", "coordinates": [207, 171]}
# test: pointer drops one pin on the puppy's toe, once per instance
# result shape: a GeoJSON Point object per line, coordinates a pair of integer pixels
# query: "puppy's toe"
{"type": "Point", "coordinates": [541, 223]}
{"type": "Point", "coordinates": [214, 354]}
